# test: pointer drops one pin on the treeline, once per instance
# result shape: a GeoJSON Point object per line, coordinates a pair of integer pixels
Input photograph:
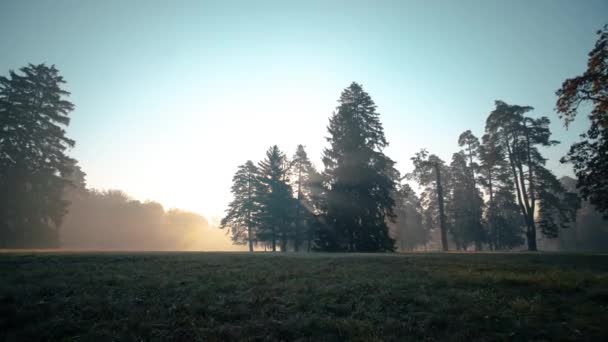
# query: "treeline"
{"type": "Point", "coordinates": [495, 193]}
{"type": "Point", "coordinates": [44, 202]}
{"type": "Point", "coordinates": [486, 197]}
{"type": "Point", "coordinates": [110, 220]}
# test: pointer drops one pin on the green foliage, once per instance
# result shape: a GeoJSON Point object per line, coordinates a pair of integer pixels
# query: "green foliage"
{"type": "Point", "coordinates": [519, 138]}
{"type": "Point", "coordinates": [360, 178]}
{"type": "Point", "coordinates": [432, 174]}
{"type": "Point", "coordinates": [243, 210]}
{"type": "Point", "coordinates": [503, 218]}
{"type": "Point", "coordinates": [34, 165]}
{"type": "Point", "coordinates": [465, 206]}
{"type": "Point", "coordinates": [276, 203]}
{"type": "Point", "coordinates": [305, 178]}
{"type": "Point", "coordinates": [590, 156]}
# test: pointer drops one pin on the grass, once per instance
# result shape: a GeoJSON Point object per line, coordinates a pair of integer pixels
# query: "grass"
{"type": "Point", "coordinates": [234, 296]}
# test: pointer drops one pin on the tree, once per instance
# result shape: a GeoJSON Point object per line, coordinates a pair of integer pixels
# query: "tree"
{"type": "Point", "coordinates": [303, 173]}
{"type": "Point", "coordinates": [241, 212]}
{"type": "Point", "coordinates": [33, 160]}
{"type": "Point", "coordinates": [471, 150]}
{"type": "Point", "coordinates": [409, 229]}
{"type": "Point", "coordinates": [590, 156]}
{"type": "Point", "coordinates": [360, 178]}
{"type": "Point", "coordinates": [275, 199]}
{"type": "Point", "coordinates": [502, 216]}
{"type": "Point", "coordinates": [519, 136]}
{"type": "Point", "coordinates": [431, 171]}
{"type": "Point", "coordinates": [466, 205]}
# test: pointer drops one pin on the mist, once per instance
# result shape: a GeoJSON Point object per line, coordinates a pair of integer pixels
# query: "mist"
{"type": "Point", "coordinates": [111, 220]}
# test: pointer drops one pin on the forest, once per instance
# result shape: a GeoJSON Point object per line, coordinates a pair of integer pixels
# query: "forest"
{"type": "Point", "coordinates": [494, 194]}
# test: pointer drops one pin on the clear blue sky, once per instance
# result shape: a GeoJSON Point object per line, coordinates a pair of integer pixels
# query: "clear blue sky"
{"type": "Point", "coordinates": [172, 95]}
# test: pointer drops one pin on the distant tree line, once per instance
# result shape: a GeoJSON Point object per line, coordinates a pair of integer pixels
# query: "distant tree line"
{"type": "Point", "coordinates": [44, 202]}
{"type": "Point", "coordinates": [111, 220]}
{"type": "Point", "coordinates": [495, 193]}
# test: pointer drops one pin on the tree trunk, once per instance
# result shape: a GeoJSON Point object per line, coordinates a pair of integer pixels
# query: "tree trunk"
{"type": "Point", "coordinates": [296, 239]}
{"type": "Point", "coordinates": [250, 238]}
{"type": "Point", "coordinates": [444, 235]}
{"type": "Point", "coordinates": [274, 238]}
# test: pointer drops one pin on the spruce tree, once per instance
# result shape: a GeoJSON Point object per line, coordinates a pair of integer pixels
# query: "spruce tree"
{"type": "Point", "coordinates": [360, 178]}
{"type": "Point", "coordinates": [34, 165]}
{"type": "Point", "coordinates": [303, 173]}
{"type": "Point", "coordinates": [242, 211]}
{"type": "Point", "coordinates": [276, 203]}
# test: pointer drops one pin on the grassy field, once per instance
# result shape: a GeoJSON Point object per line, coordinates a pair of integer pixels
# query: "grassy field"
{"type": "Point", "coordinates": [232, 296]}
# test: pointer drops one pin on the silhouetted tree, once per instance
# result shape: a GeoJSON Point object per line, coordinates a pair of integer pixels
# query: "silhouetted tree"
{"type": "Point", "coordinates": [466, 205]}
{"type": "Point", "coordinates": [33, 161]}
{"type": "Point", "coordinates": [276, 202]}
{"type": "Point", "coordinates": [303, 173]}
{"type": "Point", "coordinates": [408, 228]}
{"type": "Point", "coordinates": [519, 136]}
{"type": "Point", "coordinates": [360, 178]}
{"type": "Point", "coordinates": [430, 171]}
{"type": "Point", "coordinates": [242, 211]}
{"type": "Point", "coordinates": [502, 216]}
{"type": "Point", "coordinates": [470, 143]}
{"type": "Point", "coordinates": [590, 156]}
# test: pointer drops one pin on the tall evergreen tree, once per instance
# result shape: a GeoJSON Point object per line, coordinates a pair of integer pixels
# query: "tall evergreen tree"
{"type": "Point", "coordinates": [303, 173]}
{"type": "Point", "coordinates": [466, 205]}
{"type": "Point", "coordinates": [470, 153]}
{"type": "Point", "coordinates": [520, 136]}
{"type": "Point", "coordinates": [590, 156]}
{"type": "Point", "coordinates": [275, 198]}
{"type": "Point", "coordinates": [470, 144]}
{"type": "Point", "coordinates": [360, 177]}
{"type": "Point", "coordinates": [33, 160]}
{"type": "Point", "coordinates": [431, 172]}
{"type": "Point", "coordinates": [242, 211]}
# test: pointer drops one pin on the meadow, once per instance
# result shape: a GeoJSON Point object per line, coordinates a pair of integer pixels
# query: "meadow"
{"type": "Point", "coordinates": [103, 296]}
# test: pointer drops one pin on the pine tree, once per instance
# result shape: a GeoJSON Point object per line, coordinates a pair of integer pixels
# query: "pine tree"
{"type": "Point", "coordinates": [34, 165]}
{"type": "Point", "coordinates": [470, 143]}
{"type": "Point", "coordinates": [466, 205]}
{"type": "Point", "coordinates": [519, 136]}
{"type": "Point", "coordinates": [431, 172]}
{"type": "Point", "coordinates": [242, 211]}
{"type": "Point", "coordinates": [275, 198]}
{"type": "Point", "coordinates": [502, 216]}
{"type": "Point", "coordinates": [360, 178]}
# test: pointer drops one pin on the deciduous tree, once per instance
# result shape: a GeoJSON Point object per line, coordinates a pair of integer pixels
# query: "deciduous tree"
{"type": "Point", "coordinates": [590, 156]}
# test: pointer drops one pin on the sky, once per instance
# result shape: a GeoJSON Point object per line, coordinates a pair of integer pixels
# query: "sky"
{"type": "Point", "coordinates": [171, 96]}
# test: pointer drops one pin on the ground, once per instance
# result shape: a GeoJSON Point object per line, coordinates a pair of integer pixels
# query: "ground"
{"type": "Point", "coordinates": [238, 296]}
